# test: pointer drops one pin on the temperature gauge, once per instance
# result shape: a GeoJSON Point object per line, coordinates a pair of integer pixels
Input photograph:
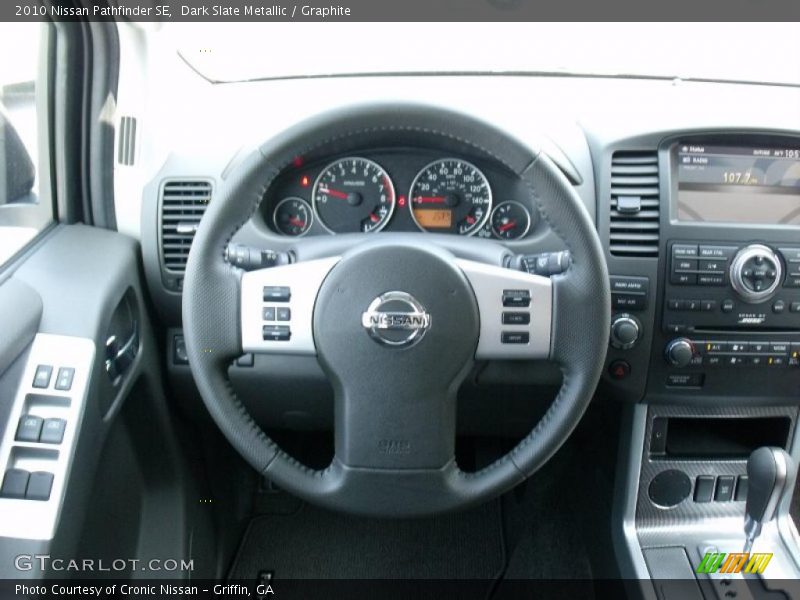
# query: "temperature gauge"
{"type": "Point", "coordinates": [510, 220]}
{"type": "Point", "coordinates": [293, 216]}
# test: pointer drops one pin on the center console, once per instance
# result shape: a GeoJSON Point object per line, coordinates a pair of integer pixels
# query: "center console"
{"type": "Point", "coordinates": [714, 322]}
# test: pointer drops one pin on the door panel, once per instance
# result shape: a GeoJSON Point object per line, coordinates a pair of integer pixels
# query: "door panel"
{"type": "Point", "coordinates": [59, 308]}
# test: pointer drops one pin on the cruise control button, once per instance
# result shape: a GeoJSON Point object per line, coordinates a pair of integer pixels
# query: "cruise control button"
{"type": "Point", "coordinates": [516, 318]}
{"type": "Point", "coordinates": [514, 337]}
{"type": "Point", "coordinates": [42, 377]}
{"type": "Point", "coordinates": [277, 293]}
{"type": "Point", "coordinates": [29, 428]}
{"type": "Point", "coordinates": [39, 486]}
{"type": "Point", "coordinates": [516, 298]}
{"type": "Point", "coordinates": [15, 482]}
{"type": "Point", "coordinates": [276, 333]}
{"type": "Point", "coordinates": [53, 431]}
{"type": "Point", "coordinates": [64, 379]}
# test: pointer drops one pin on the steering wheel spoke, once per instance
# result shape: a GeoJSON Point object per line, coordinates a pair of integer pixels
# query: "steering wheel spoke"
{"type": "Point", "coordinates": [515, 309]}
{"type": "Point", "coordinates": [277, 307]}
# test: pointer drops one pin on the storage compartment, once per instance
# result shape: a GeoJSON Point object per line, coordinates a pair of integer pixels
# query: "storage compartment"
{"type": "Point", "coordinates": [717, 438]}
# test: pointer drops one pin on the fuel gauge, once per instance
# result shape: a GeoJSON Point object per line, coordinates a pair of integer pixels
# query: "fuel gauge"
{"type": "Point", "coordinates": [293, 216]}
{"type": "Point", "coordinates": [510, 220]}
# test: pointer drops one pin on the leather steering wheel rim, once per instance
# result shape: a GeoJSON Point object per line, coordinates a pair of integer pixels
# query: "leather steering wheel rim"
{"type": "Point", "coordinates": [212, 319]}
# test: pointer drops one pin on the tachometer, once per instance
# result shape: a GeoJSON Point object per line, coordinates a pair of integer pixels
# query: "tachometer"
{"type": "Point", "coordinates": [353, 194]}
{"type": "Point", "coordinates": [450, 195]}
{"type": "Point", "coordinates": [293, 216]}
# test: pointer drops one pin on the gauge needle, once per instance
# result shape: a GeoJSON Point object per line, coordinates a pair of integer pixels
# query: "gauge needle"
{"type": "Point", "coordinates": [334, 193]}
{"type": "Point", "coordinates": [470, 219]}
{"type": "Point", "coordinates": [296, 222]}
{"type": "Point", "coordinates": [507, 226]}
{"type": "Point", "coordinates": [429, 199]}
{"type": "Point", "coordinates": [374, 218]}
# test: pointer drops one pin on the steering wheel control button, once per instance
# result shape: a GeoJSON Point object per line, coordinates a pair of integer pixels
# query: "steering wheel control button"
{"type": "Point", "coordinates": [64, 379]}
{"type": "Point", "coordinates": [619, 369]}
{"type": "Point", "coordinates": [284, 313]}
{"type": "Point", "coordinates": [515, 337]}
{"type": "Point", "coordinates": [15, 482]}
{"type": "Point", "coordinates": [704, 488]}
{"type": "Point", "coordinates": [40, 485]}
{"type": "Point", "coordinates": [29, 428]}
{"type": "Point", "coordinates": [42, 377]}
{"type": "Point", "coordinates": [516, 318]}
{"type": "Point", "coordinates": [396, 319]}
{"type": "Point", "coordinates": [276, 333]}
{"type": "Point", "coordinates": [670, 488]}
{"type": "Point", "coordinates": [53, 431]}
{"type": "Point", "coordinates": [269, 313]}
{"type": "Point", "coordinates": [724, 491]}
{"type": "Point", "coordinates": [277, 293]}
{"type": "Point", "coordinates": [516, 298]}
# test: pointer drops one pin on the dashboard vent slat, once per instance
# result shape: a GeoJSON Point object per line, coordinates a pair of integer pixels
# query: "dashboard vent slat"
{"type": "Point", "coordinates": [126, 151]}
{"type": "Point", "coordinates": [183, 204]}
{"type": "Point", "coordinates": [634, 183]}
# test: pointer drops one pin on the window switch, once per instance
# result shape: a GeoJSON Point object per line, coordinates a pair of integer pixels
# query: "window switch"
{"type": "Point", "coordinates": [53, 431]}
{"type": "Point", "coordinates": [15, 482]}
{"type": "Point", "coordinates": [64, 379]}
{"type": "Point", "coordinates": [29, 428]}
{"type": "Point", "coordinates": [39, 486]}
{"type": "Point", "coordinates": [42, 377]}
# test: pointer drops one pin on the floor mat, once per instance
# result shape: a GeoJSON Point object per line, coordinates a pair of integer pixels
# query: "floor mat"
{"type": "Point", "coordinates": [317, 544]}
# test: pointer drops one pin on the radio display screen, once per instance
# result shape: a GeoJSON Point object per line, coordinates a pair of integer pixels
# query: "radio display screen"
{"type": "Point", "coordinates": [732, 184]}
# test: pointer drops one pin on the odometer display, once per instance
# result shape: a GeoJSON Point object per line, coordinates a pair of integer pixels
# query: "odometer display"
{"type": "Point", "coordinates": [450, 195]}
{"type": "Point", "coordinates": [353, 195]}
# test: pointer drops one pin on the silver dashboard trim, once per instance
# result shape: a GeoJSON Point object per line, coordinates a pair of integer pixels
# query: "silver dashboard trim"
{"type": "Point", "coordinates": [488, 283]}
{"type": "Point", "coordinates": [304, 279]}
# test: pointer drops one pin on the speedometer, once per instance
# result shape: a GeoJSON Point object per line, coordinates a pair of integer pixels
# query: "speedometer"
{"type": "Point", "coordinates": [353, 194]}
{"type": "Point", "coordinates": [450, 196]}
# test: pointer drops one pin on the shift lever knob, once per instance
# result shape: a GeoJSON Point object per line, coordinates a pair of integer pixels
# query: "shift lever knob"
{"type": "Point", "coordinates": [769, 471]}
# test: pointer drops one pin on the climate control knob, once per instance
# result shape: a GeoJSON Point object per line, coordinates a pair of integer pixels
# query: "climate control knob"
{"type": "Point", "coordinates": [756, 272]}
{"type": "Point", "coordinates": [625, 331]}
{"type": "Point", "coordinates": [679, 352]}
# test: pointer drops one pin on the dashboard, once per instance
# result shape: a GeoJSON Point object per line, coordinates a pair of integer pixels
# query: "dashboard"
{"type": "Point", "coordinates": [399, 189]}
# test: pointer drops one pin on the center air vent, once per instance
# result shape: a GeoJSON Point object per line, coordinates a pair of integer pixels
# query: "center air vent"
{"type": "Point", "coordinates": [634, 204]}
{"type": "Point", "coordinates": [182, 206]}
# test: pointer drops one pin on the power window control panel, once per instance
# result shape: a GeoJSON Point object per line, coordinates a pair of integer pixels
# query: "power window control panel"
{"type": "Point", "coordinates": [38, 430]}
{"type": "Point", "coordinates": [37, 448]}
{"type": "Point", "coordinates": [44, 373]}
{"type": "Point", "coordinates": [21, 485]}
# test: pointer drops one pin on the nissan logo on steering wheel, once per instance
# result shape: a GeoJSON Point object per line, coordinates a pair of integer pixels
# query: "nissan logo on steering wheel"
{"type": "Point", "coordinates": [396, 319]}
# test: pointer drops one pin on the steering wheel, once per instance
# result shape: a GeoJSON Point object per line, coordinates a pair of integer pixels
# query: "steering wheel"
{"type": "Point", "coordinates": [396, 322]}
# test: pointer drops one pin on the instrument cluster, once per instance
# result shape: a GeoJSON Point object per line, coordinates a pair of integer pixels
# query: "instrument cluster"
{"type": "Point", "coordinates": [399, 190]}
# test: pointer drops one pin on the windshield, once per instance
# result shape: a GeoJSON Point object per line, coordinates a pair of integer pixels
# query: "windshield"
{"type": "Point", "coordinates": [747, 52]}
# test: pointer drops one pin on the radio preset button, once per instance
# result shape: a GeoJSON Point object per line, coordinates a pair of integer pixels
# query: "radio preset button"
{"type": "Point", "coordinates": [708, 305]}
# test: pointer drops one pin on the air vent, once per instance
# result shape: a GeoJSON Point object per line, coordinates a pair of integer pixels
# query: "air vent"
{"type": "Point", "coordinates": [182, 206]}
{"type": "Point", "coordinates": [634, 204]}
{"type": "Point", "coordinates": [126, 149]}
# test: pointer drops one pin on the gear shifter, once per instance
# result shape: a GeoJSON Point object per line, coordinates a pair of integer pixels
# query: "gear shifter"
{"type": "Point", "coordinates": [769, 471]}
